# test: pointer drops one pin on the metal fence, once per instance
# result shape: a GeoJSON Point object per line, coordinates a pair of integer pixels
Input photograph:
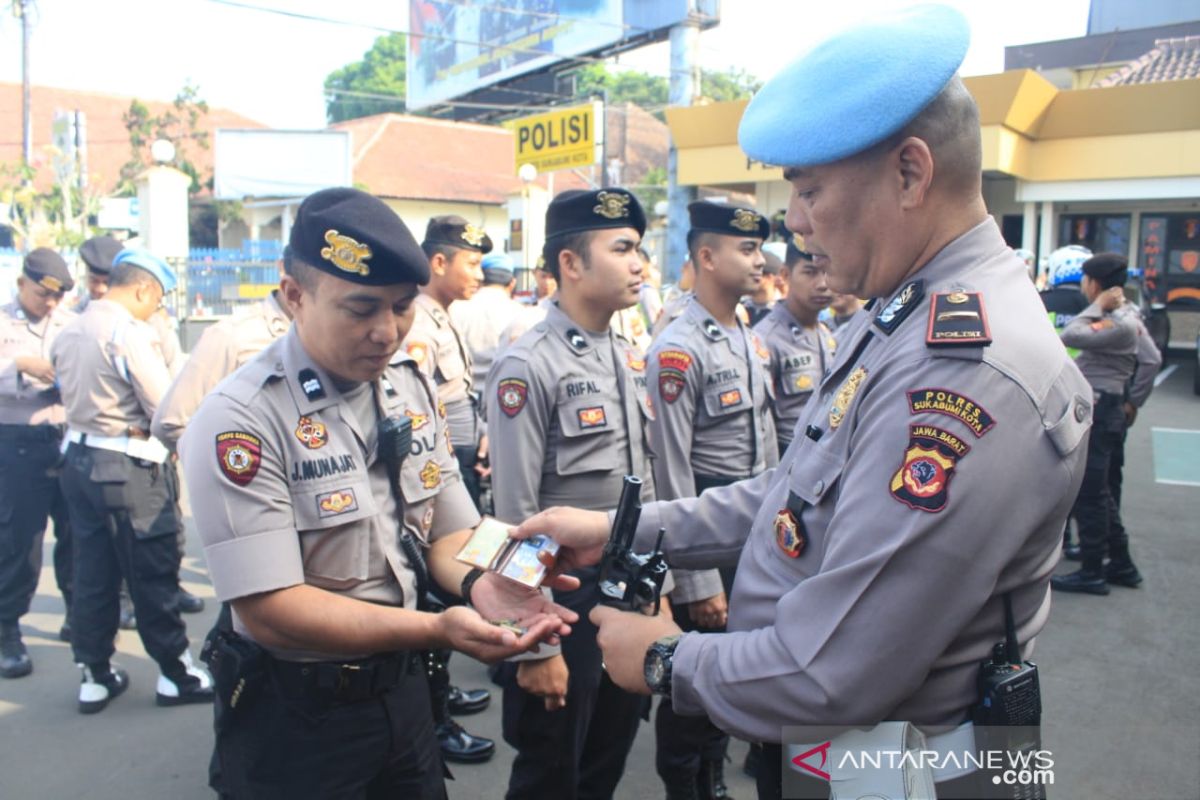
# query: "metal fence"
{"type": "Point", "coordinates": [217, 281]}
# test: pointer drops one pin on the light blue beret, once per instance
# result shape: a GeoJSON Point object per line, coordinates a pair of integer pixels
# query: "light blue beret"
{"type": "Point", "coordinates": [855, 89]}
{"type": "Point", "coordinates": [497, 268]}
{"type": "Point", "coordinates": [149, 262]}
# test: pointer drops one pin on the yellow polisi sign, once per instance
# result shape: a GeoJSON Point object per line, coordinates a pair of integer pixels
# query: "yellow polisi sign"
{"type": "Point", "coordinates": [559, 139]}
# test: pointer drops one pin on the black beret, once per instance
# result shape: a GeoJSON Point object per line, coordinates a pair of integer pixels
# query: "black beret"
{"type": "Point", "coordinates": [98, 253]}
{"type": "Point", "coordinates": [728, 220]}
{"type": "Point", "coordinates": [356, 237]}
{"type": "Point", "coordinates": [47, 269]}
{"type": "Point", "coordinates": [1102, 265]}
{"type": "Point", "coordinates": [457, 232]}
{"type": "Point", "coordinates": [577, 211]}
{"type": "Point", "coordinates": [796, 250]}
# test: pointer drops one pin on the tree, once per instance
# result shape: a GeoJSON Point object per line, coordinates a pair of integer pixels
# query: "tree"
{"type": "Point", "coordinates": [651, 91]}
{"type": "Point", "coordinates": [57, 217]}
{"type": "Point", "coordinates": [180, 125]}
{"type": "Point", "coordinates": [730, 84]}
{"type": "Point", "coordinates": [381, 72]}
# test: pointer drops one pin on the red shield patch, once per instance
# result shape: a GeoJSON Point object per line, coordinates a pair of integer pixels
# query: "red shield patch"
{"type": "Point", "coordinates": [670, 385]}
{"type": "Point", "coordinates": [923, 480]}
{"type": "Point", "coordinates": [239, 455]}
{"type": "Point", "coordinates": [512, 393]}
{"type": "Point", "coordinates": [788, 535]}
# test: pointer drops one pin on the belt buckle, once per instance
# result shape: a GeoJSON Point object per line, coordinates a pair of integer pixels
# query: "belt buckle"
{"type": "Point", "coordinates": [344, 672]}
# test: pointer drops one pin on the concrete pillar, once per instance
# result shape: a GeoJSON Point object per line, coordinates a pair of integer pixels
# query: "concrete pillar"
{"type": "Point", "coordinates": [163, 211]}
{"type": "Point", "coordinates": [1047, 235]}
{"type": "Point", "coordinates": [1029, 230]}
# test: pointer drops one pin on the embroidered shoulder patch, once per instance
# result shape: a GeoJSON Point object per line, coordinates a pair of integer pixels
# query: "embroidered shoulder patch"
{"type": "Point", "coordinates": [418, 351]}
{"type": "Point", "coordinates": [341, 501]}
{"type": "Point", "coordinates": [239, 455]}
{"type": "Point", "coordinates": [923, 480]}
{"type": "Point", "coordinates": [512, 393]}
{"type": "Point", "coordinates": [431, 475]}
{"type": "Point", "coordinates": [418, 420]}
{"type": "Point", "coordinates": [952, 404]}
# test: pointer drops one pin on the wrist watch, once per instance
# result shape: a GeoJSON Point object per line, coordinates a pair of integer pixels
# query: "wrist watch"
{"type": "Point", "coordinates": [468, 581]}
{"type": "Point", "coordinates": [657, 666]}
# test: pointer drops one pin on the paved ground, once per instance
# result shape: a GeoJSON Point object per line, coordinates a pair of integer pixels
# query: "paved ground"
{"type": "Point", "coordinates": [1119, 678]}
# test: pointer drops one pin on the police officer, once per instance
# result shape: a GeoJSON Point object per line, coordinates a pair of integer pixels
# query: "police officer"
{"type": "Point", "coordinates": [321, 516]}
{"type": "Point", "coordinates": [31, 428]}
{"type": "Point", "coordinates": [482, 319]}
{"type": "Point", "coordinates": [221, 349]}
{"type": "Point", "coordinates": [843, 308]}
{"type": "Point", "coordinates": [867, 588]}
{"type": "Point", "coordinates": [709, 379]}
{"type": "Point", "coordinates": [1106, 334]}
{"type": "Point", "coordinates": [121, 488]}
{"type": "Point", "coordinates": [97, 255]}
{"type": "Point", "coordinates": [455, 249]}
{"type": "Point", "coordinates": [567, 411]}
{"type": "Point", "coordinates": [801, 346]}
{"type": "Point", "coordinates": [759, 303]}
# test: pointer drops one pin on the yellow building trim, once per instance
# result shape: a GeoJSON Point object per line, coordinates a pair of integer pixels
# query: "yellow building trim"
{"type": "Point", "coordinates": [1030, 130]}
{"type": "Point", "coordinates": [700, 166]}
{"type": "Point", "coordinates": [1145, 155]}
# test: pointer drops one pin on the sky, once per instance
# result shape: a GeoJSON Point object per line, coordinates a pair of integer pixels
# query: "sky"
{"type": "Point", "coordinates": [272, 68]}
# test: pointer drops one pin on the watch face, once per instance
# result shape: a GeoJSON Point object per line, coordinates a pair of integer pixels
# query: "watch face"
{"type": "Point", "coordinates": [654, 671]}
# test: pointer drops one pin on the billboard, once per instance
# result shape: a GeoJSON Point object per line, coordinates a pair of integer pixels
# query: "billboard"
{"type": "Point", "coordinates": [456, 48]}
{"type": "Point", "coordinates": [269, 163]}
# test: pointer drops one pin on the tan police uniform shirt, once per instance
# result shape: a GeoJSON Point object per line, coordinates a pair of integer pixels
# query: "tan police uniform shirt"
{"type": "Point", "coordinates": [294, 489]}
{"type": "Point", "coordinates": [111, 371]}
{"type": "Point", "coordinates": [799, 357]}
{"type": "Point", "coordinates": [1107, 345]}
{"type": "Point", "coordinates": [436, 347]}
{"type": "Point", "coordinates": [222, 348]}
{"type": "Point", "coordinates": [24, 399]}
{"type": "Point", "coordinates": [480, 322]}
{"type": "Point", "coordinates": [941, 481]}
{"type": "Point", "coordinates": [712, 398]}
{"type": "Point", "coordinates": [168, 341]}
{"type": "Point", "coordinates": [567, 418]}
{"type": "Point", "coordinates": [1149, 360]}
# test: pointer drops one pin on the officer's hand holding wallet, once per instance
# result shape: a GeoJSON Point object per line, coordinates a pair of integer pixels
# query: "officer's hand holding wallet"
{"type": "Point", "coordinates": [581, 535]}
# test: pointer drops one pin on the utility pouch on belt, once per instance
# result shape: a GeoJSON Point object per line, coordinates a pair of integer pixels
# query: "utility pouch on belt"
{"type": "Point", "coordinates": [238, 667]}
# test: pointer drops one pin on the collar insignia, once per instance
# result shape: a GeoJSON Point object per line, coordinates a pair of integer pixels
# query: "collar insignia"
{"type": "Point", "coordinates": [900, 307]}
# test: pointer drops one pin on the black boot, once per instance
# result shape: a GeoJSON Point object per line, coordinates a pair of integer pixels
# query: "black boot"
{"type": "Point", "coordinates": [189, 603]}
{"type": "Point", "coordinates": [456, 744]}
{"type": "Point", "coordinates": [1082, 581]}
{"type": "Point", "coordinates": [1122, 573]}
{"type": "Point", "coordinates": [753, 758]}
{"type": "Point", "coordinates": [100, 684]}
{"type": "Point", "coordinates": [710, 784]}
{"type": "Point", "coordinates": [467, 701]}
{"type": "Point", "coordinates": [14, 659]}
{"type": "Point", "coordinates": [680, 786]}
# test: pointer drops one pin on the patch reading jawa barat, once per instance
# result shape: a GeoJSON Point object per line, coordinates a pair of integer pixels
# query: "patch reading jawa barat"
{"type": "Point", "coordinates": [512, 393]}
{"type": "Point", "coordinates": [239, 455]}
{"type": "Point", "coordinates": [311, 434]}
{"type": "Point", "coordinates": [952, 404]}
{"type": "Point", "coordinates": [672, 373]}
{"type": "Point", "coordinates": [923, 480]}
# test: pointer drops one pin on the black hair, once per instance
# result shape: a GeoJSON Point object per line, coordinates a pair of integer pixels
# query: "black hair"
{"type": "Point", "coordinates": [577, 243]}
{"type": "Point", "coordinates": [1107, 269]}
{"type": "Point", "coordinates": [128, 274]}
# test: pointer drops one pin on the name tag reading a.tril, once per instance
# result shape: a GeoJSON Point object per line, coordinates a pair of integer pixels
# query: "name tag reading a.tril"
{"type": "Point", "coordinates": [958, 319]}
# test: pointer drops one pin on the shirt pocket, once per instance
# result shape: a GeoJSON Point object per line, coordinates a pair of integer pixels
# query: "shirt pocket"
{"type": "Point", "coordinates": [333, 521]}
{"type": "Point", "coordinates": [811, 485]}
{"type": "Point", "coordinates": [450, 363]}
{"type": "Point", "coordinates": [800, 380]}
{"type": "Point", "coordinates": [420, 481]}
{"type": "Point", "coordinates": [723, 400]}
{"type": "Point", "coordinates": [587, 437]}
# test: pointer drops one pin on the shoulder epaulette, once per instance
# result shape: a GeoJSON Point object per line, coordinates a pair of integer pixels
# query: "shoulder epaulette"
{"type": "Point", "coordinates": [957, 319]}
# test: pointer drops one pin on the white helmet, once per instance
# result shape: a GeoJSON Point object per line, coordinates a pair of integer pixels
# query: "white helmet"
{"type": "Point", "coordinates": [1066, 264]}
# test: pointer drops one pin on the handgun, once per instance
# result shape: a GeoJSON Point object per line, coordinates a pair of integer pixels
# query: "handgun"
{"type": "Point", "coordinates": [628, 580]}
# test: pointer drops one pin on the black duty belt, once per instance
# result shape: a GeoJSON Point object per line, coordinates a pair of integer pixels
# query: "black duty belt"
{"type": "Point", "coordinates": [344, 682]}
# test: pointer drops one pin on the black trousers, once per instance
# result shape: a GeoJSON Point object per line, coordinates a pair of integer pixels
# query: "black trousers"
{"type": "Point", "coordinates": [1097, 509]}
{"type": "Point", "coordinates": [683, 742]}
{"type": "Point", "coordinates": [123, 517]}
{"type": "Point", "coordinates": [468, 457]}
{"type": "Point", "coordinates": [577, 752]}
{"type": "Point", "coordinates": [29, 495]}
{"type": "Point", "coordinates": [287, 743]}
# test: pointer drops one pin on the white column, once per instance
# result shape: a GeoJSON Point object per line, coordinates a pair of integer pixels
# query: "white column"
{"type": "Point", "coordinates": [1046, 238]}
{"type": "Point", "coordinates": [1029, 229]}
